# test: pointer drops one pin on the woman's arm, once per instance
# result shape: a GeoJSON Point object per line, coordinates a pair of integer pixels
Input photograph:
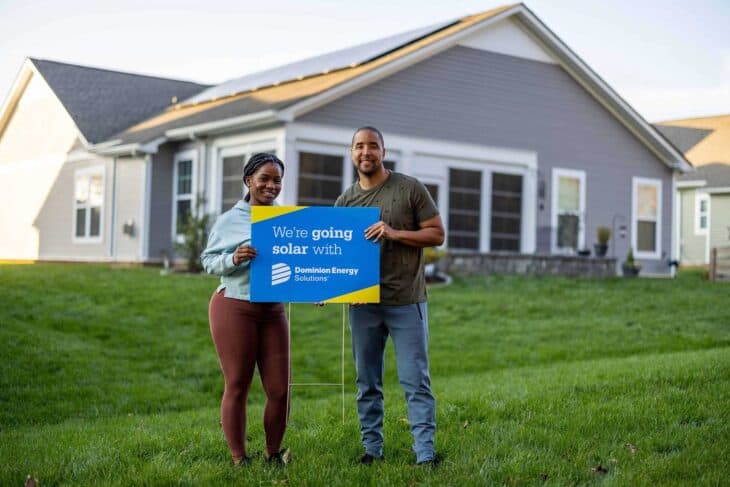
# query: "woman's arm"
{"type": "Point", "coordinates": [218, 257]}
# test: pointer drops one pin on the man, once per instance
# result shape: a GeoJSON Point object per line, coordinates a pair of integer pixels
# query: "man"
{"type": "Point", "coordinates": [409, 222]}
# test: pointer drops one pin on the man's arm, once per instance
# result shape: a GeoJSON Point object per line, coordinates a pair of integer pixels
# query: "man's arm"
{"type": "Point", "coordinates": [429, 234]}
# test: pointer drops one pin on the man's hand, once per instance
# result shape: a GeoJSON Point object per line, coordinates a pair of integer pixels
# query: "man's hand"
{"type": "Point", "coordinates": [243, 253]}
{"type": "Point", "coordinates": [380, 230]}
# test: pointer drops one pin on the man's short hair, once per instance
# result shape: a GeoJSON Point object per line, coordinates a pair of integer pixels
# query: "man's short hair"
{"type": "Point", "coordinates": [371, 129]}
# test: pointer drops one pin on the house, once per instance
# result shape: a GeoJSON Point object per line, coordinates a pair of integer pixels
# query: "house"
{"type": "Point", "coordinates": [61, 201]}
{"type": "Point", "coordinates": [523, 147]}
{"type": "Point", "coordinates": [703, 197]}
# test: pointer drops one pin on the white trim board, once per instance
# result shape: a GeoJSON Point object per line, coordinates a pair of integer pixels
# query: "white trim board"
{"type": "Point", "coordinates": [699, 198]}
{"type": "Point", "coordinates": [580, 175]}
{"type": "Point", "coordinates": [185, 155]}
{"type": "Point", "coordinates": [92, 170]}
{"type": "Point", "coordinates": [657, 183]}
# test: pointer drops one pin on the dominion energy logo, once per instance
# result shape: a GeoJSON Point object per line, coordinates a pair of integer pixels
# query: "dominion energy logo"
{"type": "Point", "coordinates": [280, 273]}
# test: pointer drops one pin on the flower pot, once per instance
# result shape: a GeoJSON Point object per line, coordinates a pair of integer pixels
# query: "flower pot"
{"type": "Point", "coordinates": [631, 271]}
{"type": "Point", "coordinates": [600, 249]}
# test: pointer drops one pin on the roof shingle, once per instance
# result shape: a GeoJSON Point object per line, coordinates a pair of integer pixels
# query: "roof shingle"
{"type": "Point", "coordinates": [103, 102]}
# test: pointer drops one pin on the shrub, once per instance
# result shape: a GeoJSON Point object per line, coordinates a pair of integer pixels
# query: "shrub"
{"type": "Point", "coordinates": [194, 229]}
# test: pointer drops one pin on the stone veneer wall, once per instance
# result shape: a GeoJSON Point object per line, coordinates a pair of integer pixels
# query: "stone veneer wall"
{"type": "Point", "coordinates": [542, 265]}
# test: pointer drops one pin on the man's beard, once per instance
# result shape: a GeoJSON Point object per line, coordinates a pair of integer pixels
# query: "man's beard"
{"type": "Point", "coordinates": [374, 167]}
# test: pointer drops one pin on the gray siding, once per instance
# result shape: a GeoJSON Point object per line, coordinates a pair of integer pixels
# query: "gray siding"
{"type": "Point", "coordinates": [693, 248]}
{"type": "Point", "coordinates": [55, 220]}
{"type": "Point", "coordinates": [720, 220]}
{"type": "Point", "coordinates": [130, 198]}
{"type": "Point", "coordinates": [478, 97]}
{"type": "Point", "coordinates": [160, 227]}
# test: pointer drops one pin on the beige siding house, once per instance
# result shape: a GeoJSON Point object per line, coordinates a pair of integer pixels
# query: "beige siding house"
{"type": "Point", "coordinates": [59, 200]}
{"type": "Point", "coordinates": [703, 196]}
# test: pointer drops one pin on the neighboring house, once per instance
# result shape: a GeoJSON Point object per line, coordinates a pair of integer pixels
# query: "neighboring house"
{"type": "Point", "coordinates": [523, 147]}
{"type": "Point", "coordinates": [703, 197]}
{"type": "Point", "coordinates": [59, 200]}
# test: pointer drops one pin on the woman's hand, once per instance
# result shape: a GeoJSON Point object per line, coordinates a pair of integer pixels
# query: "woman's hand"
{"type": "Point", "coordinates": [243, 253]}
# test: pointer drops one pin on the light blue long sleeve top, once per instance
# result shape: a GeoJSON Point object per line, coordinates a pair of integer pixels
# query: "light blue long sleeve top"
{"type": "Point", "coordinates": [231, 229]}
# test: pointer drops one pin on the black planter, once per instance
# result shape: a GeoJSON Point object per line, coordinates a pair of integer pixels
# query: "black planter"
{"type": "Point", "coordinates": [630, 271]}
{"type": "Point", "coordinates": [600, 249]}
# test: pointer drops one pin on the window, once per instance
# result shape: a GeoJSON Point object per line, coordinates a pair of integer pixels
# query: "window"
{"type": "Point", "coordinates": [646, 217]}
{"type": "Point", "coordinates": [88, 203]}
{"type": "Point", "coordinates": [320, 179]}
{"type": "Point", "coordinates": [568, 209]}
{"type": "Point", "coordinates": [184, 186]}
{"type": "Point", "coordinates": [506, 212]}
{"type": "Point", "coordinates": [232, 181]}
{"type": "Point", "coordinates": [465, 190]}
{"type": "Point", "coordinates": [702, 209]}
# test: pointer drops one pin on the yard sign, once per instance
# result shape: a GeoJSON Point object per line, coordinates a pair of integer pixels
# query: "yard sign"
{"type": "Point", "coordinates": [313, 254]}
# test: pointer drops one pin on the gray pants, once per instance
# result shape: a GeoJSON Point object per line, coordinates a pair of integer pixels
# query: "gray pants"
{"type": "Point", "coordinates": [408, 325]}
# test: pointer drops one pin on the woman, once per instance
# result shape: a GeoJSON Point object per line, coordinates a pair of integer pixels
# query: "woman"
{"type": "Point", "coordinates": [247, 334]}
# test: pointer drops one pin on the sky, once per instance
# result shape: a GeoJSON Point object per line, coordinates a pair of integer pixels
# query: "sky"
{"type": "Point", "coordinates": [668, 59]}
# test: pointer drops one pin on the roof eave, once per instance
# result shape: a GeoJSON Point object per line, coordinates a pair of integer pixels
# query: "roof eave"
{"type": "Point", "coordinates": [190, 132]}
{"type": "Point", "coordinates": [219, 126]}
{"type": "Point", "coordinates": [716, 190]}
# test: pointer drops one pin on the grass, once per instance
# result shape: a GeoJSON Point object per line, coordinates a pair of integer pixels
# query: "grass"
{"type": "Point", "coordinates": [108, 376]}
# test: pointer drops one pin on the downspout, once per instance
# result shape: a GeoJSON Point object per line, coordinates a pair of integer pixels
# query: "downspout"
{"type": "Point", "coordinates": [146, 209]}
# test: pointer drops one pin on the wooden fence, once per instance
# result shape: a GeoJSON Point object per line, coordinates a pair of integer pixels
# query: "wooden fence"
{"type": "Point", "coordinates": [720, 264]}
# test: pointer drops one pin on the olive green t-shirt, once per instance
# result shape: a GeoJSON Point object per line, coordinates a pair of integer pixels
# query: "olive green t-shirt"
{"type": "Point", "coordinates": [404, 203]}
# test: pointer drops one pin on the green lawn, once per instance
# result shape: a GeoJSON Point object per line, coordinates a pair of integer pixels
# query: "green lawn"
{"type": "Point", "coordinates": [109, 376]}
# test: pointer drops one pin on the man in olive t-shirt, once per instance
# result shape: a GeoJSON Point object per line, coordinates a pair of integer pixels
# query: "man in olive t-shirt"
{"type": "Point", "coordinates": [409, 221]}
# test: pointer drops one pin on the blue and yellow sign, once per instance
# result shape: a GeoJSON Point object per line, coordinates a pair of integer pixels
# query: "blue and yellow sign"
{"type": "Point", "coordinates": [313, 254]}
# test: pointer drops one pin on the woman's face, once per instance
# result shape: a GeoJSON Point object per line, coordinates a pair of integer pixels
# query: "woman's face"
{"type": "Point", "coordinates": [265, 184]}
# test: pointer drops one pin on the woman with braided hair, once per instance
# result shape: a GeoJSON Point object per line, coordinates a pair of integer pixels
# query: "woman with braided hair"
{"type": "Point", "coordinates": [247, 334]}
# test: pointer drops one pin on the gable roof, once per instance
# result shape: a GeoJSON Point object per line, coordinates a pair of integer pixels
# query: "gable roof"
{"type": "Point", "coordinates": [711, 176]}
{"type": "Point", "coordinates": [267, 104]}
{"type": "Point", "coordinates": [99, 100]}
{"type": "Point", "coordinates": [293, 93]}
{"type": "Point", "coordinates": [102, 102]}
{"type": "Point", "coordinates": [683, 138]}
{"type": "Point", "coordinates": [713, 147]}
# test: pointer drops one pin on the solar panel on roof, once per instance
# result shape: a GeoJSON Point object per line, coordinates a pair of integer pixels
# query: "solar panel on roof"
{"type": "Point", "coordinates": [348, 57]}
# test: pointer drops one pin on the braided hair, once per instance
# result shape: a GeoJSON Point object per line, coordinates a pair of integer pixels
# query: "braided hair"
{"type": "Point", "coordinates": [255, 162]}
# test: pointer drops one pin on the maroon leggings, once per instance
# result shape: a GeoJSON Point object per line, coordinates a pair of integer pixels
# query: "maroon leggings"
{"type": "Point", "coordinates": [245, 335]}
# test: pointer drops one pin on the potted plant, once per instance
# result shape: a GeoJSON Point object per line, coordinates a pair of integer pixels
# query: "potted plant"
{"type": "Point", "coordinates": [603, 234]}
{"type": "Point", "coordinates": [630, 267]}
{"type": "Point", "coordinates": [431, 256]}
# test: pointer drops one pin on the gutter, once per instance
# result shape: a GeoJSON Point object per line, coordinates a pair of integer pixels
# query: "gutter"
{"type": "Point", "coordinates": [190, 132]}
{"type": "Point", "coordinates": [251, 119]}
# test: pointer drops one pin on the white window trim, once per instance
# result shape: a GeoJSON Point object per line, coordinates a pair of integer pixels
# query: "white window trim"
{"type": "Point", "coordinates": [635, 182]}
{"type": "Point", "coordinates": [581, 176]}
{"type": "Point", "coordinates": [99, 169]}
{"type": "Point", "coordinates": [337, 150]}
{"type": "Point", "coordinates": [699, 198]}
{"type": "Point", "coordinates": [188, 155]}
{"type": "Point", "coordinates": [245, 150]}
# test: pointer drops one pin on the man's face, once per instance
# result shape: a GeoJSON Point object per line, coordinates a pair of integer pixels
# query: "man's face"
{"type": "Point", "coordinates": [367, 152]}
